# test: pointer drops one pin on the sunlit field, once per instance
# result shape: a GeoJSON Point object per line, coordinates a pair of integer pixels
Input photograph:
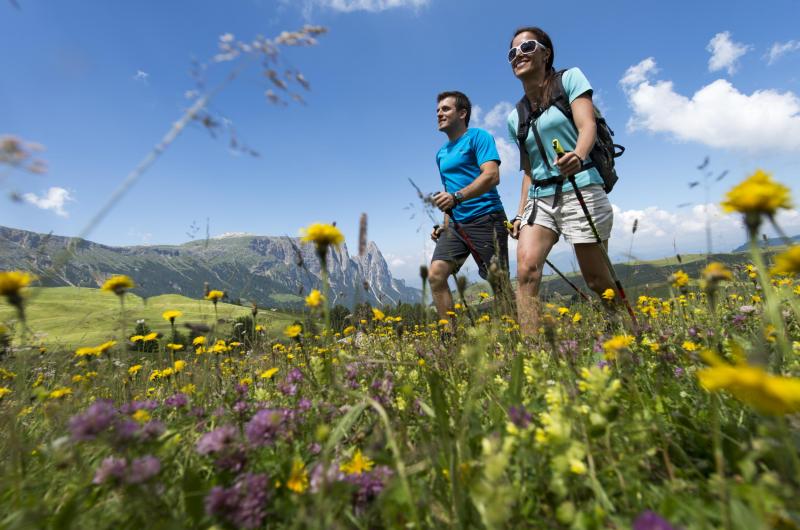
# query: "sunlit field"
{"type": "Point", "coordinates": [685, 419]}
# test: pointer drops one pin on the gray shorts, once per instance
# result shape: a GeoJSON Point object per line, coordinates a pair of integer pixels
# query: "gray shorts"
{"type": "Point", "coordinates": [488, 237]}
{"type": "Point", "coordinates": [568, 219]}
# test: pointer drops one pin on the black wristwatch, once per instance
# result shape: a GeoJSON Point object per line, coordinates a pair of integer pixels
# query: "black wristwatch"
{"type": "Point", "coordinates": [458, 197]}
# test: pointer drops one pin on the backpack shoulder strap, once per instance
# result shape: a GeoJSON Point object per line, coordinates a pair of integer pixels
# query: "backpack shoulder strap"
{"type": "Point", "coordinates": [558, 96]}
{"type": "Point", "coordinates": [524, 115]}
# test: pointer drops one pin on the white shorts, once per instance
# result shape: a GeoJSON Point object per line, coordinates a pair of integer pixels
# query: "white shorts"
{"type": "Point", "coordinates": [568, 219]}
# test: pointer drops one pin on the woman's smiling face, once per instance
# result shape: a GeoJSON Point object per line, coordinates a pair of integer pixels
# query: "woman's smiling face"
{"type": "Point", "coordinates": [524, 64]}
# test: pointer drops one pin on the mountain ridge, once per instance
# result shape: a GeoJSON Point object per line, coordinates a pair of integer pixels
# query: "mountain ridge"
{"type": "Point", "coordinates": [272, 271]}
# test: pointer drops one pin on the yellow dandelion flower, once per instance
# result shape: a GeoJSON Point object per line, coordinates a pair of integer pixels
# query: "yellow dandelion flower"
{"type": "Point", "coordinates": [563, 311]}
{"type": "Point", "coordinates": [4, 391]}
{"type": "Point", "coordinates": [171, 315]}
{"type": "Point", "coordinates": [298, 478]}
{"type": "Point", "coordinates": [576, 317]}
{"type": "Point", "coordinates": [259, 328]}
{"type": "Point", "coordinates": [577, 466]}
{"type": "Point", "coordinates": [141, 416]}
{"type": "Point", "coordinates": [314, 298]}
{"type": "Point", "coordinates": [189, 389]}
{"type": "Point", "coordinates": [267, 374]}
{"type": "Point", "coordinates": [787, 262]}
{"type": "Point", "coordinates": [199, 341]}
{"type": "Point", "coordinates": [322, 235]}
{"type": "Point", "coordinates": [615, 344]}
{"type": "Point", "coordinates": [87, 351]}
{"type": "Point", "coordinates": [357, 465]}
{"type": "Point", "coordinates": [348, 330]}
{"type": "Point", "coordinates": [767, 393]}
{"type": "Point", "coordinates": [689, 346]}
{"type": "Point", "coordinates": [215, 295]}
{"type": "Point", "coordinates": [118, 284]}
{"type": "Point", "coordinates": [679, 279]}
{"type": "Point", "coordinates": [716, 272]}
{"type": "Point", "coordinates": [77, 378]}
{"type": "Point", "coordinates": [133, 370]}
{"type": "Point", "coordinates": [175, 347]}
{"type": "Point", "coordinates": [60, 393]}
{"type": "Point", "coordinates": [293, 331]}
{"type": "Point", "coordinates": [377, 314]}
{"type": "Point", "coordinates": [155, 374]}
{"type": "Point", "coordinates": [444, 322]}
{"type": "Point", "coordinates": [179, 365]}
{"type": "Point", "coordinates": [609, 294]}
{"type": "Point", "coordinates": [246, 381]}
{"type": "Point", "coordinates": [137, 338]}
{"type": "Point", "coordinates": [12, 284]}
{"type": "Point", "coordinates": [757, 194]}
{"type": "Point", "coordinates": [484, 318]}
{"type": "Point", "coordinates": [150, 336]}
{"type": "Point", "coordinates": [484, 295]}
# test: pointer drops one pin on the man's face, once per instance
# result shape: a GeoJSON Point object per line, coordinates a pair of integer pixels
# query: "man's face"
{"type": "Point", "coordinates": [447, 115]}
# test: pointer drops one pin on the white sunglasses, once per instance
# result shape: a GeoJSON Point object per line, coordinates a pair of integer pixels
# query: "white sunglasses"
{"type": "Point", "coordinates": [526, 48]}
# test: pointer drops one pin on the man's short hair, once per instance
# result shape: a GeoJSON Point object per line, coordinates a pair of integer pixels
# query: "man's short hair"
{"type": "Point", "coordinates": [462, 102]}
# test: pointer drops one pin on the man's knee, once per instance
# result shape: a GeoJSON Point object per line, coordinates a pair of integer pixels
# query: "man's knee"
{"type": "Point", "coordinates": [438, 273]}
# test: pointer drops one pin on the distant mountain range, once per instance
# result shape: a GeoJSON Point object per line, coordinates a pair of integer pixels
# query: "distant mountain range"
{"type": "Point", "coordinates": [770, 242]}
{"type": "Point", "coordinates": [271, 271]}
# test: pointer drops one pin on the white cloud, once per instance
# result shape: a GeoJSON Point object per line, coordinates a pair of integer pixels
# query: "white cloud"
{"type": "Point", "coordinates": [781, 48]}
{"type": "Point", "coordinates": [141, 75]}
{"type": "Point", "coordinates": [374, 6]}
{"type": "Point", "coordinates": [639, 73]}
{"type": "Point", "coordinates": [494, 121]}
{"type": "Point", "coordinates": [658, 230]}
{"type": "Point", "coordinates": [54, 199]}
{"type": "Point", "coordinates": [717, 115]}
{"type": "Point", "coordinates": [725, 53]}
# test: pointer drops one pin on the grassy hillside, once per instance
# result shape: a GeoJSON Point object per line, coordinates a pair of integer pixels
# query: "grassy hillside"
{"type": "Point", "coordinates": [68, 317]}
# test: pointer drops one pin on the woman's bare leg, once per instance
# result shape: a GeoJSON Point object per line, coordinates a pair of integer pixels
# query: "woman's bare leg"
{"type": "Point", "coordinates": [535, 243]}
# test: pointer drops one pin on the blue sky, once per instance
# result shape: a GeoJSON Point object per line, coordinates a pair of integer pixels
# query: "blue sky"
{"type": "Point", "coordinates": [99, 83]}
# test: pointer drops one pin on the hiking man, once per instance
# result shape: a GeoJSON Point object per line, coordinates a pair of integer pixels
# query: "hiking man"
{"type": "Point", "coordinates": [469, 166]}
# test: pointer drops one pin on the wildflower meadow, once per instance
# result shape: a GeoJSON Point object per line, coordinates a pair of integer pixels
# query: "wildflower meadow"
{"type": "Point", "coordinates": [685, 418]}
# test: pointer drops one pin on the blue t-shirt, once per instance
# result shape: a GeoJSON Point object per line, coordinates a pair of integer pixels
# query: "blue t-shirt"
{"type": "Point", "coordinates": [554, 124]}
{"type": "Point", "coordinates": [459, 164]}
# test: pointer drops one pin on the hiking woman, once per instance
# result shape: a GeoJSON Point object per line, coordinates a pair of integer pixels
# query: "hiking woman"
{"type": "Point", "coordinates": [548, 206]}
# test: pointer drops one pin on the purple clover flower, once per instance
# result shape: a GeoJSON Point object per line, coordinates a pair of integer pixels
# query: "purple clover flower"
{"type": "Point", "coordinates": [111, 468]}
{"type": "Point", "coordinates": [244, 504]}
{"type": "Point", "coordinates": [519, 416]}
{"type": "Point", "coordinates": [143, 469]}
{"type": "Point", "coordinates": [217, 441]}
{"type": "Point", "coordinates": [651, 521]}
{"type": "Point", "coordinates": [264, 427]}
{"type": "Point", "coordinates": [177, 400]}
{"type": "Point", "coordinates": [151, 430]}
{"type": "Point", "coordinates": [129, 408]}
{"type": "Point", "coordinates": [369, 485]}
{"type": "Point", "coordinates": [98, 417]}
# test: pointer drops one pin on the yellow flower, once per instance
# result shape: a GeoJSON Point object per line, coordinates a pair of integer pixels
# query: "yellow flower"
{"type": "Point", "coordinates": [767, 393]}
{"type": "Point", "coordinates": [563, 311]}
{"type": "Point", "coordinates": [189, 389]}
{"type": "Point", "coordinates": [576, 317]}
{"type": "Point", "coordinates": [314, 298]}
{"type": "Point", "coordinates": [199, 341]}
{"type": "Point", "coordinates": [175, 347]}
{"type": "Point", "coordinates": [716, 272]}
{"type": "Point", "coordinates": [577, 466]}
{"type": "Point", "coordinates": [679, 279]}
{"type": "Point", "coordinates": [137, 338]}
{"type": "Point", "coordinates": [259, 328]}
{"type": "Point", "coordinates": [293, 331]}
{"type": "Point", "coordinates": [118, 284]}
{"type": "Point", "coordinates": [357, 465]}
{"type": "Point", "coordinates": [12, 282]}
{"type": "Point", "coordinates": [609, 294]}
{"type": "Point", "coordinates": [444, 322]}
{"type": "Point", "coordinates": [689, 346]}
{"type": "Point", "coordinates": [298, 478]}
{"type": "Point", "coordinates": [77, 378]}
{"type": "Point", "coordinates": [348, 330]}
{"type": "Point", "coordinates": [150, 336]}
{"type": "Point", "coordinates": [141, 416]}
{"type": "Point", "coordinates": [322, 235]}
{"type": "Point", "coordinates": [171, 315]}
{"type": "Point", "coordinates": [787, 262]}
{"type": "Point", "coordinates": [133, 370]}
{"type": "Point", "coordinates": [246, 381]}
{"type": "Point", "coordinates": [215, 296]}
{"type": "Point", "coordinates": [94, 350]}
{"type": "Point", "coordinates": [484, 318]}
{"type": "Point", "coordinates": [179, 365]}
{"type": "Point", "coordinates": [4, 391]}
{"type": "Point", "coordinates": [267, 374]}
{"type": "Point", "coordinates": [757, 194]}
{"type": "Point", "coordinates": [484, 295]}
{"type": "Point", "coordinates": [61, 392]}
{"type": "Point", "coordinates": [377, 314]}
{"type": "Point", "coordinates": [615, 344]}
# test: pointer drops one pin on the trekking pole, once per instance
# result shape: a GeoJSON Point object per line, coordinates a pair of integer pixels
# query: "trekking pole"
{"type": "Point", "coordinates": [510, 226]}
{"type": "Point", "coordinates": [559, 153]}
